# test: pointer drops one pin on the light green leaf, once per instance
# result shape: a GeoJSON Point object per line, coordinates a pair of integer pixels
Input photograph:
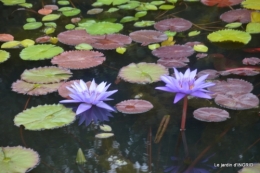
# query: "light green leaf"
{"type": "Point", "coordinates": [65, 9]}
{"type": "Point", "coordinates": [253, 28]}
{"type": "Point", "coordinates": [115, 2]}
{"type": "Point", "coordinates": [50, 24]}
{"type": "Point", "coordinates": [27, 42]}
{"type": "Point", "coordinates": [113, 9]}
{"type": "Point", "coordinates": [130, 6]}
{"type": "Point", "coordinates": [128, 19]}
{"type": "Point", "coordinates": [72, 12]}
{"type": "Point", "coordinates": [45, 117]}
{"type": "Point", "coordinates": [51, 17]}
{"type": "Point", "coordinates": [4, 55]}
{"type": "Point", "coordinates": [105, 128]}
{"type": "Point", "coordinates": [101, 28]}
{"type": "Point", "coordinates": [70, 26]}
{"type": "Point", "coordinates": [40, 52]}
{"type": "Point", "coordinates": [26, 5]}
{"type": "Point", "coordinates": [97, 4]}
{"type": "Point", "coordinates": [170, 33]}
{"type": "Point", "coordinates": [233, 25]}
{"type": "Point", "coordinates": [12, 2]}
{"type": "Point", "coordinates": [142, 73]}
{"type": "Point", "coordinates": [63, 2]}
{"type": "Point", "coordinates": [193, 33]}
{"type": "Point", "coordinates": [251, 4]}
{"type": "Point", "coordinates": [42, 75]}
{"type": "Point", "coordinates": [104, 135]}
{"type": "Point", "coordinates": [80, 158]}
{"type": "Point", "coordinates": [121, 50]}
{"type": "Point", "coordinates": [157, 2]}
{"type": "Point", "coordinates": [32, 25]}
{"type": "Point", "coordinates": [140, 14]}
{"type": "Point", "coordinates": [149, 6]}
{"type": "Point", "coordinates": [17, 159]}
{"type": "Point", "coordinates": [166, 7]}
{"type": "Point", "coordinates": [84, 46]}
{"type": "Point", "coordinates": [29, 20]}
{"type": "Point", "coordinates": [144, 23]}
{"type": "Point", "coordinates": [153, 46]}
{"type": "Point", "coordinates": [11, 44]}
{"type": "Point", "coordinates": [200, 48]}
{"type": "Point", "coordinates": [49, 30]}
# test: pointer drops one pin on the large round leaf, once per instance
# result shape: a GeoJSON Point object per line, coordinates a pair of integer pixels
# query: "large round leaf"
{"type": "Point", "coordinates": [50, 74]}
{"type": "Point", "coordinates": [102, 28]}
{"type": "Point", "coordinates": [142, 72]}
{"type": "Point", "coordinates": [17, 159]}
{"type": "Point", "coordinates": [45, 117]}
{"type": "Point", "coordinates": [39, 52]}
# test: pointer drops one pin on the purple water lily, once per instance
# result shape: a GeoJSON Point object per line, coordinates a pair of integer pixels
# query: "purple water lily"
{"type": "Point", "coordinates": [186, 84]}
{"type": "Point", "coordinates": [89, 98]}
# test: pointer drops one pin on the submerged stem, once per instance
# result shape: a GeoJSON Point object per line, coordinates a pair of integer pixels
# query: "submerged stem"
{"type": "Point", "coordinates": [184, 112]}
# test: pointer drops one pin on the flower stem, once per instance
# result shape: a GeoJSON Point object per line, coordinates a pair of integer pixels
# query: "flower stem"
{"type": "Point", "coordinates": [184, 112]}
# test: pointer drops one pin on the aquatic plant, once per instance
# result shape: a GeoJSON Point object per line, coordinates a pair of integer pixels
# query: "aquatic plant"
{"type": "Point", "coordinates": [134, 106]}
{"type": "Point", "coordinates": [186, 84]}
{"type": "Point", "coordinates": [89, 95]}
{"type": "Point", "coordinates": [211, 114]}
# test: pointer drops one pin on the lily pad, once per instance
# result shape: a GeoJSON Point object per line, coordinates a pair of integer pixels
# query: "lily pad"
{"type": "Point", "coordinates": [51, 17]}
{"type": "Point", "coordinates": [71, 12]}
{"type": "Point", "coordinates": [40, 52]}
{"type": "Point", "coordinates": [23, 87]}
{"type": "Point", "coordinates": [114, 2]}
{"type": "Point", "coordinates": [43, 75]}
{"type": "Point", "coordinates": [4, 55]}
{"type": "Point", "coordinates": [211, 114]}
{"type": "Point", "coordinates": [102, 28]}
{"type": "Point", "coordinates": [11, 44]}
{"type": "Point", "coordinates": [18, 159]}
{"type": "Point", "coordinates": [251, 4]}
{"type": "Point", "coordinates": [221, 3]}
{"type": "Point", "coordinates": [79, 59]}
{"type": "Point", "coordinates": [170, 63]}
{"type": "Point", "coordinates": [175, 51]}
{"type": "Point", "coordinates": [253, 28]}
{"type": "Point", "coordinates": [251, 61]}
{"type": "Point", "coordinates": [45, 117]}
{"type": "Point", "coordinates": [238, 15]}
{"type": "Point", "coordinates": [6, 37]}
{"type": "Point", "coordinates": [104, 135]}
{"type": "Point", "coordinates": [134, 106]}
{"type": "Point", "coordinates": [173, 24]}
{"type": "Point", "coordinates": [142, 72]}
{"type": "Point", "coordinates": [144, 23]}
{"type": "Point", "coordinates": [148, 36]}
{"type": "Point", "coordinates": [12, 2]}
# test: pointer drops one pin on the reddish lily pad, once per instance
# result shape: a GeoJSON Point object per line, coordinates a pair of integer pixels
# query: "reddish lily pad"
{"type": "Point", "coordinates": [173, 24]}
{"type": "Point", "coordinates": [44, 39]}
{"type": "Point", "coordinates": [231, 87]}
{"type": "Point", "coordinates": [23, 87]}
{"type": "Point", "coordinates": [251, 61]}
{"type": "Point", "coordinates": [240, 71]}
{"type": "Point", "coordinates": [175, 51]}
{"type": "Point", "coordinates": [211, 114]}
{"type": "Point", "coordinates": [52, 7]}
{"type": "Point", "coordinates": [63, 91]}
{"type": "Point", "coordinates": [79, 59]}
{"type": "Point", "coordinates": [6, 37]}
{"type": "Point", "coordinates": [238, 15]}
{"type": "Point", "coordinates": [75, 37]}
{"type": "Point", "coordinates": [148, 36]}
{"type": "Point", "coordinates": [221, 3]}
{"type": "Point", "coordinates": [112, 41]}
{"type": "Point", "coordinates": [170, 63]}
{"type": "Point", "coordinates": [212, 74]}
{"type": "Point", "coordinates": [134, 106]}
{"type": "Point", "coordinates": [201, 55]}
{"type": "Point", "coordinates": [238, 101]}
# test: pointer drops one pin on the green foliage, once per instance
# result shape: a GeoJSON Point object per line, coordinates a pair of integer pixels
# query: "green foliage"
{"type": "Point", "coordinates": [26, 5]}
{"type": "Point", "coordinates": [102, 28]}
{"type": "Point", "coordinates": [45, 117]}
{"type": "Point", "coordinates": [128, 19]}
{"type": "Point", "coordinates": [63, 2]}
{"type": "Point", "coordinates": [12, 2]}
{"type": "Point", "coordinates": [4, 55]}
{"type": "Point", "coordinates": [233, 25]}
{"type": "Point", "coordinates": [71, 12]}
{"type": "Point", "coordinates": [251, 4]}
{"type": "Point", "coordinates": [10, 44]}
{"type": "Point", "coordinates": [51, 17]}
{"type": "Point", "coordinates": [166, 7]}
{"type": "Point", "coordinates": [114, 2]}
{"type": "Point", "coordinates": [144, 23]}
{"type": "Point", "coordinates": [253, 28]}
{"type": "Point", "coordinates": [40, 52]}
{"type": "Point", "coordinates": [30, 20]}
{"type": "Point", "coordinates": [32, 25]}
{"type": "Point", "coordinates": [70, 26]}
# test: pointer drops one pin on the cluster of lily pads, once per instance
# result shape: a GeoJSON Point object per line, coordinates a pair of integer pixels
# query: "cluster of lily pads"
{"type": "Point", "coordinates": [88, 34]}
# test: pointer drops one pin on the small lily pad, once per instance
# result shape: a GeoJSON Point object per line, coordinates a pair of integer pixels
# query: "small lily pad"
{"type": "Point", "coordinates": [11, 44]}
{"type": "Point", "coordinates": [104, 135]}
{"type": "Point", "coordinates": [72, 12]}
{"type": "Point", "coordinates": [27, 42]}
{"type": "Point", "coordinates": [29, 20]}
{"type": "Point", "coordinates": [69, 26]}
{"type": "Point", "coordinates": [51, 17]}
{"type": "Point", "coordinates": [166, 7]}
{"type": "Point", "coordinates": [200, 48]}
{"type": "Point", "coordinates": [83, 46]}
{"type": "Point", "coordinates": [45, 117]}
{"type": "Point", "coordinates": [253, 28]}
{"type": "Point", "coordinates": [32, 25]}
{"type": "Point", "coordinates": [193, 33]}
{"type": "Point", "coordinates": [101, 28]}
{"type": "Point", "coordinates": [233, 25]}
{"type": "Point", "coordinates": [4, 55]}
{"type": "Point", "coordinates": [63, 2]}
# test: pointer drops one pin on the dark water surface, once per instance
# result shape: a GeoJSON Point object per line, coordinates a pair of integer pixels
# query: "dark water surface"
{"type": "Point", "coordinates": [233, 141]}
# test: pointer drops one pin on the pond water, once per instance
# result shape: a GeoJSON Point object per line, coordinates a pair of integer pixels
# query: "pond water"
{"type": "Point", "coordinates": [202, 147]}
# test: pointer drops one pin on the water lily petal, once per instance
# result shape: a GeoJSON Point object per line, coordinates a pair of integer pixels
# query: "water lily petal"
{"type": "Point", "coordinates": [82, 108]}
{"type": "Point", "coordinates": [178, 97]}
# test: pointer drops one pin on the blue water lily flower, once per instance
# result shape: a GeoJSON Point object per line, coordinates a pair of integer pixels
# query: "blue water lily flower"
{"type": "Point", "coordinates": [186, 84]}
{"type": "Point", "coordinates": [90, 98]}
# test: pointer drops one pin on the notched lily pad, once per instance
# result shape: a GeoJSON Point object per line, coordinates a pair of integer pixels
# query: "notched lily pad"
{"type": "Point", "coordinates": [148, 36]}
{"type": "Point", "coordinates": [175, 51]}
{"type": "Point", "coordinates": [173, 24]}
{"type": "Point", "coordinates": [134, 106]}
{"type": "Point", "coordinates": [211, 114]}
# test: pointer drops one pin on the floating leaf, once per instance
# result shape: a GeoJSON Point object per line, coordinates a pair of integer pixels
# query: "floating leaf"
{"type": "Point", "coordinates": [255, 17]}
{"type": "Point", "coordinates": [115, 2]}
{"type": "Point", "coordinates": [43, 75]}
{"type": "Point", "coordinates": [49, 30]}
{"type": "Point", "coordinates": [193, 33]}
{"type": "Point", "coordinates": [157, 2]}
{"type": "Point", "coordinates": [18, 159]}
{"type": "Point", "coordinates": [45, 117]}
{"type": "Point", "coordinates": [80, 158]}
{"type": "Point", "coordinates": [26, 5]}
{"type": "Point", "coordinates": [212, 74]}
{"type": "Point", "coordinates": [120, 50]}
{"type": "Point", "coordinates": [12, 2]}
{"type": "Point", "coordinates": [45, 11]}
{"type": "Point", "coordinates": [142, 72]}
{"type": "Point", "coordinates": [6, 37]}
{"type": "Point", "coordinates": [43, 39]}
{"type": "Point", "coordinates": [111, 10]}
{"type": "Point", "coordinates": [104, 135]}
{"type": "Point", "coordinates": [170, 63]}
{"type": "Point", "coordinates": [134, 106]}
{"type": "Point", "coordinates": [221, 3]}
{"type": "Point", "coordinates": [253, 28]}
{"type": "Point", "coordinates": [40, 52]}
{"type": "Point", "coordinates": [233, 25]}
{"type": "Point", "coordinates": [249, 61]}
{"type": "Point", "coordinates": [175, 51]}
{"type": "Point", "coordinates": [166, 7]}
{"type": "Point", "coordinates": [128, 19]}
{"type": "Point", "coordinates": [229, 35]}
{"type": "Point", "coordinates": [153, 46]}
{"type": "Point", "coordinates": [144, 23]}
{"type": "Point", "coordinates": [23, 87]}
{"type": "Point", "coordinates": [63, 2]}
{"type": "Point", "coordinates": [173, 24]}
{"type": "Point", "coordinates": [140, 14]}
{"type": "Point", "coordinates": [69, 26]}
{"type": "Point", "coordinates": [27, 43]}
{"type": "Point", "coordinates": [238, 101]}
{"type": "Point", "coordinates": [244, 71]}
{"type": "Point", "coordinates": [238, 15]}
{"type": "Point", "coordinates": [10, 44]}
{"type": "Point", "coordinates": [84, 46]}
{"type": "Point", "coordinates": [95, 11]}
{"type": "Point", "coordinates": [105, 128]}
{"type": "Point", "coordinates": [71, 12]}
{"type": "Point", "coordinates": [32, 25]}
{"type": "Point", "coordinates": [148, 36]}
{"type": "Point", "coordinates": [79, 59]}
{"type": "Point", "coordinates": [251, 4]}
{"type": "Point", "coordinates": [104, 28]}
{"type": "Point", "coordinates": [53, 7]}
{"type": "Point", "coordinates": [50, 24]}
{"type": "Point", "coordinates": [211, 114]}
{"type": "Point", "coordinates": [51, 17]}
{"type": "Point", "coordinates": [130, 5]}
{"type": "Point", "coordinates": [4, 55]}
{"type": "Point", "coordinates": [200, 48]}
{"type": "Point", "coordinates": [168, 42]}
{"type": "Point", "coordinates": [29, 20]}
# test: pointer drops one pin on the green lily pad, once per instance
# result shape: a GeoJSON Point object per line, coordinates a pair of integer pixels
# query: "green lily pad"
{"type": "Point", "coordinates": [65, 9]}
{"type": "Point", "coordinates": [50, 24]}
{"type": "Point", "coordinates": [102, 28]}
{"type": "Point", "coordinates": [115, 2]}
{"type": "Point", "coordinates": [45, 117]}
{"type": "Point", "coordinates": [29, 20]}
{"type": "Point", "coordinates": [49, 30]}
{"type": "Point", "coordinates": [97, 4]}
{"type": "Point", "coordinates": [170, 33]}
{"type": "Point", "coordinates": [140, 14]}
{"type": "Point", "coordinates": [11, 44]}
{"type": "Point", "coordinates": [72, 12]}
{"type": "Point", "coordinates": [157, 2]}
{"type": "Point", "coordinates": [69, 26]}
{"type": "Point", "coordinates": [4, 55]}
{"type": "Point", "coordinates": [144, 23]}
{"type": "Point", "coordinates": [44, 75]}
{"type": "Point", "coordinates": [63, 2]}
{"type": "Point", "coordinates": [230, 35]}
{"type": "Point", "coordinates": [84, 46]}
{"type": "Point", "coordinates": [26, 5]}
{"type": "Point", "coordinates": [32, 25]}
{"type": "Point", "coordinates": [166, 7]}
{"type": "Point", "coordinates": [193, 33]}
{"type": "Point", "coordinates": [17, 159]}
{"type": "Point", "coordinates": [113, 9]}
{"type": "Point", "coordinates": [128, 19]}
{"type": "Point", "coordinates": [12, 2]}
{"type": "Point", "coordinates": [40, 52]}
{"type": "Point", "coordinates": [142, 72]}
{"type": "Point", "coordinates": [233, 25]}
{"type": "Point", "coordinates": [251, 4]}
{"type": "Point", "coordinates": [253, 28]}
{"type": "Point", "coordinates": [129, 6]}
{"type": "Point", "coordinates": [51, 17]}
{"type": "Point", "coordinates": [27, 42]}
